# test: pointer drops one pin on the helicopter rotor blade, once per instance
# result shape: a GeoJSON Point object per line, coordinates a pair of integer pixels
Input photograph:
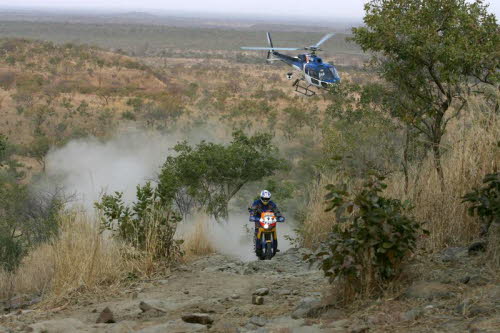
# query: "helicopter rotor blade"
{"type": "Point", "coordinates": [269, 40]}
{"type": "Point", "coordinates": [271, 48]}
{"type": "Point", "coordinates": [324, 39]}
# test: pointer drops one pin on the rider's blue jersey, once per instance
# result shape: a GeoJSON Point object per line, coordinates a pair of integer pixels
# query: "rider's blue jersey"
{"type": "Point", "coordinates": [258, 208]}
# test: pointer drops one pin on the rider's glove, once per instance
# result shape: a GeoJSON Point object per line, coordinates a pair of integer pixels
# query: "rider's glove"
{"type": "Point", "coordinates": [281, 219]}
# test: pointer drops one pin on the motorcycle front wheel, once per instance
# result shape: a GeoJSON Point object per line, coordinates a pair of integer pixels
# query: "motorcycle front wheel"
{"type": "Point", "coordinates": [269, 251]}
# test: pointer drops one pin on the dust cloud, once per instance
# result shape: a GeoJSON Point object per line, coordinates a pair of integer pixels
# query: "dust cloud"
{"type": "Point", "coordinates": [234, 237]}
{"type": "Point", "coordinates": [88, 168]}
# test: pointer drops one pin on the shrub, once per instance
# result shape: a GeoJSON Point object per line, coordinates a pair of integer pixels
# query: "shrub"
{"type": "Point", "coordinates": [136, 103]}
{"type": "Point", "coordinates": [128, 115]}
{"type": "Point", "coordinates": [3, 148]}
{"type": "Point", "coordinates": [370, 240]}
{"type": "Point", "coordinates": [7, 80]}
{"type": "Point", "coordinates": [27, 218]}
{"type": "Point", "coordinates": [149, 225]}
{"type": "Point", "coordinates": [486, 201]}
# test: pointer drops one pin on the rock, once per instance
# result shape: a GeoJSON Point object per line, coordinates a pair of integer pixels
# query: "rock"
{"type": "Point", "coordinates": [156, 305]}
{"type": "Point", "coordinates": [477, 247]}
{"type": "Point", "coordinates": [465, 279]}
{"type": "Point", "coordinates": [258, 321]}
{"type": "Point", "coordinates": [412, 314]}
{"type": "Point", "coordinates": [150, 311]}
{"type": "Point", "coordinates": [197, 318]}
{"type": "Point", "coordinates": [257, 300]}
{"type": "Point", "coordinates": [428, 290]}
{"type": "Point", "coordinates": [174, 326]}
{"type": "Point", "coordinates": [234, 296]}
{"type": "Point", "coordinates": [359, 329]}
{"type": "Point", "coordinates": [21, 302]}
{"type": "Point", "coordinates": [122, 327]}
{"type": "Point", "coordinates": [477, 281]}
{"type": "Point", "coordinates": [251, 327]}
{"type": "Point", "coordinates": [186, 292]}
{"type": "Point", "coordinates": [340, 323]}
{"type": "Point", "coordinates": [284, 292]}
{"type": "Point", "coordinates": [4, 330]}
{"type": "Point", "coordinates": [307, 308]}
{"type": "Point", "coordinates": [453, 254]}
{"type": "Point", "coordinates": [106, 317]}
{"type": "Point", "coordinates": [332, 313]}
{"type": "Point", "coordinates": [261, 292]}
{"type": "Point", "coordinates": [58, 326]}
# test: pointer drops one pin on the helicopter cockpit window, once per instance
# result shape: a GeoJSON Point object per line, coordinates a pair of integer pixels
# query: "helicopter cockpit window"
{"type": "Point", "coordinates": [325, 74]}
{"type": "Point", "coordinates": [334, 71]}
{"type": "Point", "coordinates": [313, 73]}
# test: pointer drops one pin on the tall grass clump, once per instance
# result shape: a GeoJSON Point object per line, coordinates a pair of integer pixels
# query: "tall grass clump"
{"type": "Point", "coordinates": [79, 260]}
{"type": "Point", "coordinates": [470, 152]}
{"type": "Point", "coordinates": [196, 238]}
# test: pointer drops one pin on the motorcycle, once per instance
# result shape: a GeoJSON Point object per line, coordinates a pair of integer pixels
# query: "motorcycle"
{"type": "Point", "coordinates": [266, 235]}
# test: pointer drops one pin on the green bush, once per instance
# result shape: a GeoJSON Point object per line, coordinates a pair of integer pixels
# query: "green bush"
{"type": "Point", "coordinates": [11, 252]}
{"type": "Point", "coordinates": [128, 115]}
{"type": "Point", "coordinates": [209, 175]}
{"type": "Point", "coordinates": [485, 201]}
{"type": "Point", "coordinates": [27, 217]}
{"type": "Point", "coordinates": [148, 225]}
{"type": "Point", "coordinates": [370, 240]}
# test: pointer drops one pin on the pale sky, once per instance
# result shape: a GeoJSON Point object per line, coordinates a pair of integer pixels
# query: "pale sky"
{"type": "Point", "coordinates": [326, 8]}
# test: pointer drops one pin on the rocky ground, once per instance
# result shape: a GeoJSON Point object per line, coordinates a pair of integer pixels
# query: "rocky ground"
{"type": "Point", "coordinates": [453, 291]}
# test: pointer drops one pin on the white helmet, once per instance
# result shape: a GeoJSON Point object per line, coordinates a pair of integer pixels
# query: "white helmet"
{"type": "Point", "coordinates": [265, 196]}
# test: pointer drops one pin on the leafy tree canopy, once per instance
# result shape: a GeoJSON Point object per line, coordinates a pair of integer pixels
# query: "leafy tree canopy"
{"type": "Point", "coordinates": [433, 54]}
{"type": "Point", "coordinates": [208, 175]}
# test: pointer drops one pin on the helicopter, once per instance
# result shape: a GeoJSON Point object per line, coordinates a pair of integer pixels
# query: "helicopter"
{"type": "Point", "coordinates": [314, 72]}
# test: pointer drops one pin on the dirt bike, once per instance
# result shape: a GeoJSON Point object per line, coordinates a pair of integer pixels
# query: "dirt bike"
{"type": "Point", "coordinates": [266, 235]}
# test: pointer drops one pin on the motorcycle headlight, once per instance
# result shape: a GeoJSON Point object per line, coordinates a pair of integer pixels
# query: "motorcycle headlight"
{"type": "Point", "coordinates": [266, 226]}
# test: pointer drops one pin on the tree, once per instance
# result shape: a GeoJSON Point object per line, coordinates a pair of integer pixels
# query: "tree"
{"type": "Point", "coordinates": [28, 216]}
{"type": "Point", "coordinates": [39, 149]}
{"type": "Point", "coordinates": [433, 53]}
{"type": "Point", "coordinates": [208, 175]}
{"type": "Point", "coordinates": [3, 148]}
{"type": "Point", "coordinates": [358, 137]}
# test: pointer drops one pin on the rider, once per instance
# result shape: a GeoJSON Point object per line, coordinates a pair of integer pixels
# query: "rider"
{"type": "Point", "coordinates": [264, 204]}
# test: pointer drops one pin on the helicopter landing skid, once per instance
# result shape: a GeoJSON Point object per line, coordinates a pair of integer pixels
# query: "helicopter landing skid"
{"type": "Point", "coordinates": [304, 90]}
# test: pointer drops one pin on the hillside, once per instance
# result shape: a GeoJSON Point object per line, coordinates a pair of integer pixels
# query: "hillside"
{"type": "Point", "coordinates": [132, 176]}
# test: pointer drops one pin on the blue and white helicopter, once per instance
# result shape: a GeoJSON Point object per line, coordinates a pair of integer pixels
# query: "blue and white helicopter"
{"type": "Point", "coordinates": [314, 72]}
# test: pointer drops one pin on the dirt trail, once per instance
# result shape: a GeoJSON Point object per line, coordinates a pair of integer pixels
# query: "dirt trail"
{"type": "Point", "coordinates": [452, 291]}
{"type": "Point", "coordinates": [218, 285]}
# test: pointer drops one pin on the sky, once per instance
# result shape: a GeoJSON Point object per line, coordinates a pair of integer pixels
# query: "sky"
{"type": "Point", "coordinates": [286, 8]}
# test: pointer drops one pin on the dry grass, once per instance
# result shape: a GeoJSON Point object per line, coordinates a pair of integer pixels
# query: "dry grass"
{"type": "Point", "coordinates": [84, 262]}
{"type": "Point", "coordinates": [196, 241]}
{"type": "Point", "coordinates": [494, 245]}
{"type": "Point", "coordinates": [318, 223]}
{"type": "Point", "coordinates": [470, 152]}
{"type": "Point", "coordinates": [81, 260]}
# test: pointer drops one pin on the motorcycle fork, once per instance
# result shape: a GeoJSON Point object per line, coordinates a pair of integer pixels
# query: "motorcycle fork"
{"type": "Point", "coordinates": [266, 234]}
